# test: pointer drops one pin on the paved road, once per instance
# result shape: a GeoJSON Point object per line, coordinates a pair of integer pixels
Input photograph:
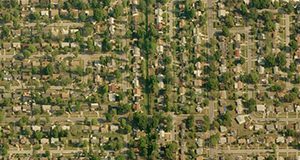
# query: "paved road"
{"type": "Point", "coordinates": [211, 106]}
{"type": "Point", "coordinates": [276, 119]}
{"type": "Point", "coordinates": [58, 24]}
{"type": "Point", "coordinates": [210, 16]}
{"type": "Point", "coordinates": [65, 118]}
{"type": "Point", "coordinates": [171, 18]}
{"type": "Point", "coordinates": [13, 151]}
{"type": "Point", "coordinates": [255, 151]}
{"type": "Point", "coordinates": [287, 29]}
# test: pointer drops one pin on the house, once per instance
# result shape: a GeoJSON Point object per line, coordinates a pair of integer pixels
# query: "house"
{"type": "Point", "coordinates": [222, 12]}
{"type": "Point", "coordinates": [279, 110]}
{"type": "Point", "coordinates": [270, 127]}
{"type": "Point", "coordinates": [53, 13]}
{"type": "Point", "coordinates": [17, 108]}
{"type": "Point", "coordinates": [114, 128]}
{"type": "Point", "coordinates": [199, 142]}
{"type": "Point", "coordinates": [280, 139]}
{"type": "Point", "coordinates": [36, 128]}
{"type": "Point", "coordinates": [199, 151]}
{"type": "Point", "coordinates": [94, 106]}
{"type": "Point", "coordinates": [54, 140]}
{"type": "Point", "coordinates": [223, 140]}
{"type": "Point", "coordinates": [6, 45]}
{"type": "Point", "coordinates": [137, 92]}
{"type": "Point", "coordinates": [64, 44]}
{"type": "Point", "coordinates": [44, 141]}
{"type": "Point", "coordinates": [240, 119]}
{"type": "Point", "coordinates": [231, 139]}
{"type": "Point", "coordinates": [65, 128]}
{"type": "Point", "coordinates": [223, 129]}
{"type": "Point", "coordinates": [95, 128]}
{"type": "Point", "coordinates": [258, 127]}
{"type": "Point", "coordinates": [260, 108]}
{"type": "Point", "coordinates": [297, 108]}
{"type": "Point", "coordinates": [45, 13]}
{"type": "Point", "coordinates": [260, 158]}
{"type": "Point", "coordinates": [165, 136]}
{"type": "Point", "coordinates": [290, 108]}
{"type": "Point", "coordinates": [94, 140]}
{"type": "Point", "coordinates": [242, 141]}
{"type": "Point", "coordinates": [136, 106]}
{"type": "Point", "coordinates": [239, 106]}
{"type": "Point", "coordinates": [24, 2]}
{"type": "Point", "coordinates": [112, 97]}
{"type": "Point", "coordinates": [199, 109]}
{"type": "Point", "coordinates": [54, 2]}
{"type": "Point", "coordinates": [46, 108]}
{"type": "Point", "coordinates": [35, 1]}
{"type": "Point", "coordinates": [65, 31]}
{"type": "Point", "coordinates": [73, 45]}
{"type": "Point", "coordinates": [16, 45]}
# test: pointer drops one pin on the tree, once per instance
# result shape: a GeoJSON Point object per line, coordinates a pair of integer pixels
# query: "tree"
{"type": "Point", "coordinates": [118, 11]}
{"type": "Point", "coordinates": [48, 70]}
{"type": "Point", "coordinates": [106, 2]}
{"type": "Point", "coordinates": [131, 154]}
{"type": "Point", "coordinates": [31, 48]}
{"type": "Point", "coordinates": [225, 31]}
{"type": "Point", "coordinates": [87, 30]}
{"type": "Point", "coordinates": [206, 123]}
{"type": "Point", "coordinates": [276, 88]}
{"type": "Point", "coordinates": [120, 157]}
{"type": "Point", "coordinates": [99, 14]}
{"type": "Point", "coordinates": [5, 32]}
{"type": "Point", "coordinates": [34, 16]}
{"type": "Point", "coordinates": [270, 61]}
{"type": "Point", "coordinates": [22, 122]}
{"type": "Point", "coordinates": [82, 16]}
{"type": "Point", "coordinates": [229, 22]}
{"type": "Point", "coordinates": [162, 1]}
{"type": "Point", "coordinates": [212, 83]}
{"type": "Point", "coordinates": [26, 53]}
{"type": "Point", "coordinates": [169, 123]}
{"type": "Point", "coordinates": [106, 45]}
{"type": "Point", "coordinates": [293, 45]}
{"type": "Point", "coordinates": [214, 139]}
{"type": "Point", "coordinates": [260, 4]}
{"type": "Point", "coordinates": [270, 157]}
{"type": "Point", "coordinates": [190, 122]}
{"type": "Point", "coordinates": [202, 20]}
{"type": "Point", "coordinates": [281, 60]}
{"type": "Point", "coordinates": [269, 26]}
{"type": "Point", "coordinates": [251, 78]}
{"type": "Point", "coordinates": [140, 120]}
{"type": "Point", "coordinates": [170, 150]}
{"type": "Point", "coordinates": [38, 135]}
{"type": "Point", "coordinates": [190, 12]}
{"type": "Point", "coordinates": [1, 116]}
{"type": "Point", "coordinates": [125, 127]}
{"type": "Point", "coordinates": [109, 117]}
{"type": "Point", "coordinates": [243, 9]}
{"type": "Point", "coordinates": [115, 143]}
{"type": "Point", "coordinates": [225, 119]}
{"type": "Point", "coordinates": [3, 149]}
{"type": "Point", "coordinates": [47, 153]}
{"type": "Point", "coordinates": [6, 17]}
{"type": "Point", "coordinates": [288, 8]}
{"type": "Point", "coordinates": [123, 109]}
{"type": "Point", "coordinates": [103, 89]}
{"type": "Point", "coordinates": [78, 4]}
{"type": "Point", "coordinates": [250, 104]}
